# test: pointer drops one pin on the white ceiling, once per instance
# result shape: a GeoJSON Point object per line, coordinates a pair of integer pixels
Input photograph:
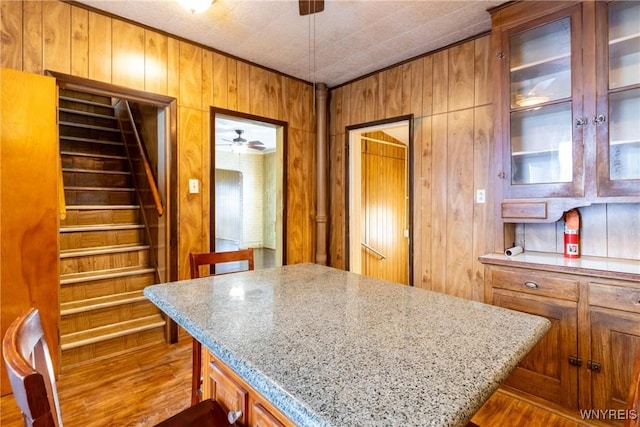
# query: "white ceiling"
{"type": "Point", "coordinates": [351, 37]}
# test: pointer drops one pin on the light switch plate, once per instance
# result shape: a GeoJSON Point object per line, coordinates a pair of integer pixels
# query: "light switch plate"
{"type": "Point", "coordinates": [194, 187]}
{"type": "Point", "coordinates": [480, 196]}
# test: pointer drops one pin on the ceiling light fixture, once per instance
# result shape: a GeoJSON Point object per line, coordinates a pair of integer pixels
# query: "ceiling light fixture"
{"type": "Point", "coordinates": [196, 6]}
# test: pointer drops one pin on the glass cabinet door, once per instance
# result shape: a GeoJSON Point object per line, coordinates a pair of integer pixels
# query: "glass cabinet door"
{"type": "Point", "coordinates": [618, 109]}
{"type": "Point", "coordinates": [542, 147]}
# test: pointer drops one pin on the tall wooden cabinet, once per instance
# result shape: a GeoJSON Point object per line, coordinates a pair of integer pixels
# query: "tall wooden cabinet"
{"type": "Point", "coordinates": [567, 76]}
{"type": "Point", "coordinates": [29, 202]}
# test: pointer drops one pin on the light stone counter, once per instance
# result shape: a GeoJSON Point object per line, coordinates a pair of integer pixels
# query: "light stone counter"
{"type": "Point", "coordinates": [332, 348]}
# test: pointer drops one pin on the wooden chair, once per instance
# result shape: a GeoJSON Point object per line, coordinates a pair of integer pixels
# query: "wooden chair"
{"type": "Point", "coordinates": [32, 379]}
{"type": "Point", "coordinates": [197, 260]}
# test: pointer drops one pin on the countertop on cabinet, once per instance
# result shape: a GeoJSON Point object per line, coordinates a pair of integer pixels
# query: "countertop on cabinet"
{"type": "Point", "coordinates": [332, 348]}
{"type": "Point", "coordinates": [613, 268]}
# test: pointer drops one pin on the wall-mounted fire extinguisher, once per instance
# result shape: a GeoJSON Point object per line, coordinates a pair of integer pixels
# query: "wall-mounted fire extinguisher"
{"type": "Point", "coordinates": [572, 234]}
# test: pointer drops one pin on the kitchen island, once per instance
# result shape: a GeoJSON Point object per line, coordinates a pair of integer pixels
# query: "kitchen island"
{"type": "Point", "coordinates": [331, 348]}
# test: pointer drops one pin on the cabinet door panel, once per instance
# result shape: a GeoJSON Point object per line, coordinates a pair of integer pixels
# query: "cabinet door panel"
{"type": "Point", "coordinates": [223, 389]}
{"type": "Point", "coordinates": [546, 371]}
{"type": "Point", "coordinates": [615, 344]}
{"type": "Point", "coordinates": [261, 417]}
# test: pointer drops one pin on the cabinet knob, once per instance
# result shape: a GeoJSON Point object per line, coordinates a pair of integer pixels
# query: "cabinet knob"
{"type": "Point", "coordinates": [531, 285]}
{"type": "Point", "coordinates": [233, 416]}
{"type": "Point", "coordinates": [599, 119]}
{"type": "Point", "coordinates": [502, 175]}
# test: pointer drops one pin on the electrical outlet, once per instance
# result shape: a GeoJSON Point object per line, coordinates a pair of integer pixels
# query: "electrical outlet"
{"type": "Point", "coordinates": [480, 196]}
{"type": "Point", "coordinates": [194, 187]}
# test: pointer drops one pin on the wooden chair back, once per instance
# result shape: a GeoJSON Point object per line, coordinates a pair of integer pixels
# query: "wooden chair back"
{"type": "Point", "coordinates": [30, 370]}
{"type": "Point", "coordinates": [197, 260]}
{"type": "Point", "coordinates": [633, 403]}
{"type": "Point", "coordinates": [212, 258]}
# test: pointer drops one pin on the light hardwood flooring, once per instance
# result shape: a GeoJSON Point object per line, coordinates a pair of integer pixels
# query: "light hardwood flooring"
{"type": "Point", "coordinates": [143, 388]}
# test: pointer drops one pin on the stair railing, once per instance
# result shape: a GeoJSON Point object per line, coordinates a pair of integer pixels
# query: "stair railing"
{"type": "Point", "coordinates": [140, 165]}
{"type": "Point", "coordinates": [142, 152]}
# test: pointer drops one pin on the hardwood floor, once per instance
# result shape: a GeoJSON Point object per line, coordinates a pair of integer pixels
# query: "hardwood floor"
{"type": "Point", "coordinates": [141, 389]}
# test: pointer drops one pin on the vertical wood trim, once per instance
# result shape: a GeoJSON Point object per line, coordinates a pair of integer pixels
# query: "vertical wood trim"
{"type": "Point", "coordinates": [57, 36]}
{"type": "Point", "coordinates": [32, 37]}
{"type": "Point", "coordinates": [79, 42]}
{"type": "Point", "coordinates": [99, 41]}
{"type": "Point", "coordinates": [11, 33]}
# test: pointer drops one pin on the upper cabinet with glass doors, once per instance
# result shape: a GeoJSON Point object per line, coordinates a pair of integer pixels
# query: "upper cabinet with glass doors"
{"type": "Point", "coordinates": [567, 105]}
{"type": "Point", "coordinates": [618, 98]}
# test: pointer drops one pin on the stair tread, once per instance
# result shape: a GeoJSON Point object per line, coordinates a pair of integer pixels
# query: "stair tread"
{"type": "Point", "coordinates": [84, 101]}
{"type": "Point", "coordinates": [89, 304]}
{"type": "Point", "coordinates": [69, 253]}
{"type": "Point", "coordinates": [98, 155]}
{"type": "Point", "coordinates": [75, 188]}
{"type": "Point", "coordinates": [91, 140]}
{"type": "Point", "coordinates": [86, 113]}
{"type": "Point", "coordinates": [100, 227]}
{"type": "Point", "coordinates": [85, 126]}
{"type": "Point", "coordinates": [99, 171]}
{"type": "Point", "coordinates": [115, 330]}
{"type": "Point", "coordinates": [100, 207]}
{"type": "Point", "coordinates": [88, 276]}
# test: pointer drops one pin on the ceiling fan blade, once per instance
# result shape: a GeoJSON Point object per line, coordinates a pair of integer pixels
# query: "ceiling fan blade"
{"type": "Point", "coordinates": [255, 143]}
{"type": "Point", "coordinates": [308, 7]}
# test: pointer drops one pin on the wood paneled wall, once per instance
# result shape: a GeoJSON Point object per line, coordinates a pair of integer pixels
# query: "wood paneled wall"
{"type": "Point", "coordinates": [58, 36]}
{"type": "Point", "coordinates": [449, 94]}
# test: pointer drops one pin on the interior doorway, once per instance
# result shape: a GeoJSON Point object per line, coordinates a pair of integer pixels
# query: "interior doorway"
{"type": "Point", "coordinates": [379, 200]}
{"type": "Point", "coordinates": [247, 186]}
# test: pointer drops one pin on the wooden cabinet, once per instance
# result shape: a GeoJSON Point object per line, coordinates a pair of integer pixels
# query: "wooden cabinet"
{"type": "Point", "coordinates": [546, 372]}
{"type": "Point", "coordinates": [567, 78]}
{"type": "Point", "coordinates": [248, 406]}
{"type": "Point", "coordinates": [586, 359]}
{"type": "Point", "coordinates": [615, 341]}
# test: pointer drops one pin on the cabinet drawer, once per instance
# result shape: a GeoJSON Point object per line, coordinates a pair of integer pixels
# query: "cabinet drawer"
{"type": "Point", "coordinates": [534, 283]}
{"type": "Point", "coordinates": [261, 417]}
{"type": "Point", "coordinates": [615, 297]}
{"type": "Point", "coordinates": [227, 392]}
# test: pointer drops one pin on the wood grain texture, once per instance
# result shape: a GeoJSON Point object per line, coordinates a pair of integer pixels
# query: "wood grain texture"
{"type": "Point", "coordinates": [100, 41]}
{"type": "Point", "coordinates": [56, 28]}
{"type": "Point", "coordinates": [128, 55]}
{"type": "Point", "coordinates": [79, 42]}
{"type": "Point", "coordinates": [439, 207]}
{"type": "Point", "coordinates": [155, 62]}
{"type": "Point", "coordinates": [220, 82]}
{"type": "Point", "coordinates": [427, 87]}
{"type": "Point", "coordinates": [11, 33]}
{"type": "Point", "coordinates": [393, 91]}
{"type": "Point", "coordinates": [190, 76]}
{"type": "Point", "coordinates": [412, 81]}
{"type": "Point", "coordinates": [29, 265]}
{"type": "Point", "coordinates": [483, 88]}
{"type": "Point", "coordinates": [459, 233]}
{"type": "Point", "coordinates": [461, 76]}
{"type": "Point", "coordinates": [33, 41]}
{"type": "Point", "coordinates": [258, 91]}
{"type": "Point", "coordinates": [440, 80]}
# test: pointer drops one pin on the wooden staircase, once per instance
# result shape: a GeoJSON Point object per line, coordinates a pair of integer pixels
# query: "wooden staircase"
{"type": "Point", "coordinates": [104, 254]}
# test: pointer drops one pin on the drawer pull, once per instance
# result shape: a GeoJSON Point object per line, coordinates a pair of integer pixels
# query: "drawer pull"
{"type": "Point", "coordinates": [531, 285]}
{"type": "Point", "coordinates": [233, 416]}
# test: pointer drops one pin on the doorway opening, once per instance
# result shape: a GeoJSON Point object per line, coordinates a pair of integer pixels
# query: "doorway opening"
{"type": "Point", "coordinates": [247, 186]}
{"type": "Point", "coordinates": [379, 200]}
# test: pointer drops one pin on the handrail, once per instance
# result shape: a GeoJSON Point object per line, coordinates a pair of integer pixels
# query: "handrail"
{"type": "Point", "coordinates": [62, 203]}
{"type": "Point", "coordinates": [373, 250]}
{"type": "Point", "coordinates": [147, 166]}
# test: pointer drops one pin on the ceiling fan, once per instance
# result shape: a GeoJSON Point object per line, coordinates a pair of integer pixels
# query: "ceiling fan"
{"type": "Point", "coordinates": [307, 7]}
{"type": "Point", "coordinates": [239, 141]}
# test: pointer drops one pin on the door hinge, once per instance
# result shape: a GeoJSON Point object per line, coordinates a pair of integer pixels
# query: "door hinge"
{"type": "Point", "coordinates": [575, 361]}
{"type": "Point", "coordinates": [593, 366]}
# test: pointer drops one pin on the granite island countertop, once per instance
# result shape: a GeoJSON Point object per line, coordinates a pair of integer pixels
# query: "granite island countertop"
{"type": "Point", "coordinates": [333, 348]}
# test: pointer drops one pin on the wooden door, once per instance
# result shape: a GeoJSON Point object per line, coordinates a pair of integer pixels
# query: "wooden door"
{"type": "Point", "coordinates": [228, 227]}
{"type": "Point", "coordinates": [546, 371]}
{"type": "Point", "coordinates": [29, 173]}
{"type": "Point", "coordinates": [384, 211]}
{"type": "Point", "coordinates": [615, 343]}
